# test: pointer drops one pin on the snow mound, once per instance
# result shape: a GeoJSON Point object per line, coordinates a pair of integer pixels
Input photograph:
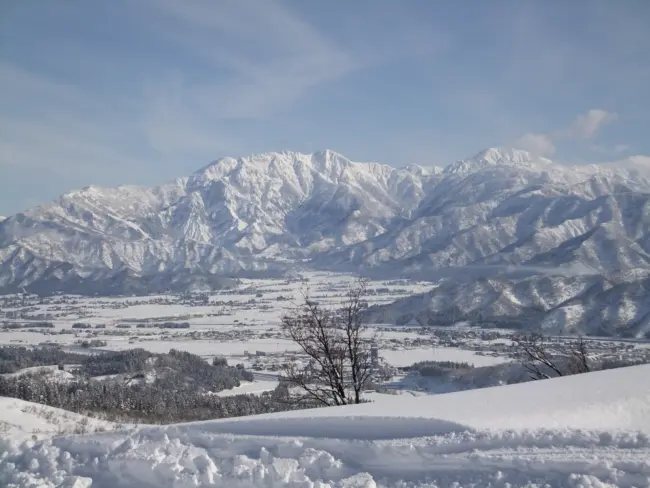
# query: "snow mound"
{"type": "Point", "coordinates": [21, 420]}
{"type": "Point", "coordinates": [589, 430]}
{"type": "Point", "coordinates": [606, 400]}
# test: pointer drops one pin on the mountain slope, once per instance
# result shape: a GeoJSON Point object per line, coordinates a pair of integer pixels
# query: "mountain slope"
{"type": "Point", "coordinates": [262, 214]}
{"type": "Point", "coordinates": [508, 208]}
{"type": "Point", "coordinates": [581, 304]}
{"type": "Point", "coordinates": [275, 206]}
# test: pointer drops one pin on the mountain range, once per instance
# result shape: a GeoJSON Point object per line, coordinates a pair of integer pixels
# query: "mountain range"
{"type": "Point", "coordinates": [503, 215]}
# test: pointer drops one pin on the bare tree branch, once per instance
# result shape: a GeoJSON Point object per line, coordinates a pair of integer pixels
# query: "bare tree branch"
{"type": "Point", "coordinates": [337, 348]}
{"type": "Point", "coordinates": [543, 364]}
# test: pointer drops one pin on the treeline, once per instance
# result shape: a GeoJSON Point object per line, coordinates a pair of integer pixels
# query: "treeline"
{"type": "Point", "coordinates": [136, 385]}
{"type": "Point", "coordinates": [437, 368]}
{"type": "Point", "coordinates": [27, 325]}
{"type": "Point", "coordinates": [142, 402]}
{"type": "Point", "coordinates": [14, 358]}
{"type": "Point", "coordinates": [172, 371]}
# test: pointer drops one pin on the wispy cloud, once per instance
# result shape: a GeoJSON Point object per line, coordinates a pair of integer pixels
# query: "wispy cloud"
{"type": "Point", "coordinates": [232, 61]}
{"type": "Point", "coordinates": [583, 127]}
{"type": "Point", "coordinates": [536, 143]}
{"type": "Point", "coordinates": [43, 127]}
{"type": "Point", "coordinates": [265, 58]}
{"type": "Point", "coordinates": [275, 61]}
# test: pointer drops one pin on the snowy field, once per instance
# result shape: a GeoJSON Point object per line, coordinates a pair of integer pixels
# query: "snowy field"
{"type": "Point", "coordinates": [240, 324]}
{"type": "Point", "coordinates": [583, 431]}
{"type": "Point", "coordinates": [590, 430]}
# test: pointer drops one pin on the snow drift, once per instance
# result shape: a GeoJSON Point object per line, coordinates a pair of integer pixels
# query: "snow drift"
{"type": "Point", "coordinates": [589, 430]}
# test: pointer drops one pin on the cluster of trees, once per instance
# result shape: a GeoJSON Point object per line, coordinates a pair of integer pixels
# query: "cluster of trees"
{"type": "Point", "coordinates": [80, 325]}
{"type": "Point", "coordinates": [147, 387]}
{"type": "Point", "coordinates": [165, 325]}
{"type": "Point", "coordinates": [28, 325]}
{"type": "Point", "coordinates": [438, 368]}
{"type": "Point", "coordinates": [174, 371]}
{"type": "Point", "coordinates": [87, 344]}
{"type": "Point", "coordinates": [141, 402]}
{"type": "Point", "coordinates": [15, 358]}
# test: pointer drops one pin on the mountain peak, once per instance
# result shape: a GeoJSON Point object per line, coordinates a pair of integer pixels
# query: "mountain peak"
{"type": "Point", "coordinates": [328, 153]}
{"type": "Point", "coordinates": [497, 155]}
{"type": "Point", "coordinates": [423, 170]}
{"type": "Point", "coordinates": [494, 156]}
{"type": "Point", "coordinates": [325, 161]}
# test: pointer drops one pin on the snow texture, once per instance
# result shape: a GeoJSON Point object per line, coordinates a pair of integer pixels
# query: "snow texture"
{"type": "Point", "coordinates": [588, 430]}
{"type": "Point", "coordinates": [22, 420]}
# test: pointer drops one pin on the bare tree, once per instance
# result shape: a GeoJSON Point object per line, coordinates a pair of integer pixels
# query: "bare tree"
{"type": "Point", "coordinates": [578, 361]}
{"type": "Point", "coordinates": [541, 363]}
{"type": "Point", "coordinates": [337, 346]}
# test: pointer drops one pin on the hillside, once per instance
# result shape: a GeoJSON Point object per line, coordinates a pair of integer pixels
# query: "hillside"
{"type": "Point", "coordinates": [588, 430]}
{"type": "Point", "coordinates": [583, 304]}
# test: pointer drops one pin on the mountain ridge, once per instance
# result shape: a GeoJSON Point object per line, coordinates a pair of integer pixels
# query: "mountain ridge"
{"type": "Point", "coordinates": [501, 210]}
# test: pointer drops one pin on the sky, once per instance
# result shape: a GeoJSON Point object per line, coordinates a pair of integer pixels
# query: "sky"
{"type": "Point", "coordinates": [143, 91]}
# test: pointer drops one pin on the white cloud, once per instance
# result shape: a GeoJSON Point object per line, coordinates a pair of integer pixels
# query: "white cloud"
{"type": "Point", "coordinates": [539, 144]}
{"type": "Point", "coordinates": [583, 127]}
{"type": "Point", "coordinates": [56, 137]}
{"type": "Point", "coordinates": [254, 58]}
{"type": "Point", "coordinates": [248, 59]}
{"type": "Point", "coordinates": [62, 144]}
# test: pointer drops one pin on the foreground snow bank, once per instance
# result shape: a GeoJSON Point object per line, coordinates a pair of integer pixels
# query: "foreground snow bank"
{"type": "Point", "coordinates": [584, 431]}
{"type": "Point", "coordinates": [22, 420]}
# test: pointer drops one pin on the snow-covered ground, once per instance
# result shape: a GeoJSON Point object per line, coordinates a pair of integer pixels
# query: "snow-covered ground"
{"type": "Point", "coordinates": [590, 430]}
{"type": "Point", "coordinates": [406, 357]}
{"type": "Point", "coordinates": [252, 387]}
{"type": "Point", "coordinates": [21, 420]}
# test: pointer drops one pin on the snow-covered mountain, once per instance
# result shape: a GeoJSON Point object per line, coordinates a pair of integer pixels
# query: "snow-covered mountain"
{"type": "Point", "coordinates": [233, 216]}
{"type": "Point", "coordinates": [505, 207]}
{"type": "Point", "coordinates": [586, 304]}
{"type": "Point", "coordinates": [265, 213]}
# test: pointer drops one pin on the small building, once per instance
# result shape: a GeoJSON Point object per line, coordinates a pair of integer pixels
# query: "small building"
{"type": "Point", "coordinates": [260, 353]}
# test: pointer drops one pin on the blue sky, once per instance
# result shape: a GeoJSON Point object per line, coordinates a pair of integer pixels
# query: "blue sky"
{"type": "Point", "coordinates": [142, 91]}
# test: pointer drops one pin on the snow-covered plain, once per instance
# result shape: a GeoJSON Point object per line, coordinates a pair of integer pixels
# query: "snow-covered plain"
{"type": "Point", "coordinates": [590, 430]}
{"type": "Point", "coordinates": [406, 357]}
{"type": "Point", "coordinates": [229, 324]}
